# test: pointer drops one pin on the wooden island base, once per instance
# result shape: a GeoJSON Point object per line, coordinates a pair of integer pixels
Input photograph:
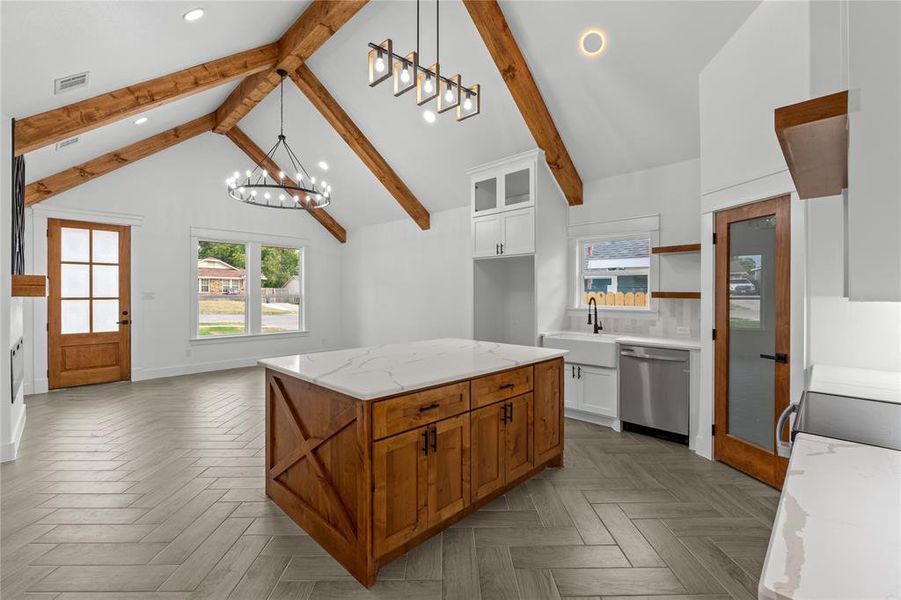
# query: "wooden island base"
{"type": "Point", "coordinates": [370, 479]}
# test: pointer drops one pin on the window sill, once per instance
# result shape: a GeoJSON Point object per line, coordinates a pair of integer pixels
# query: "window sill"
{"type": "Point", "coordinates": [214, 339]}
{"type": "Point", "coordinates": [627, 313]}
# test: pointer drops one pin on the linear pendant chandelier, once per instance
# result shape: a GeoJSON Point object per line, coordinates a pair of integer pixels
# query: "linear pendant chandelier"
{"type": "Point", "coordinates": [278, 190]}
{"type": "Point", "coordinates": [447, 92]}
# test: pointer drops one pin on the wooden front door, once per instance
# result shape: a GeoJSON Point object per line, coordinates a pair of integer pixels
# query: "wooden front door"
{"type": "Point", "coordinates": [400, 502]}
{"type": "Point", "coordinates": [89, 305]}
{"type": "Point", "coordinates": [487, 449]}
{"type": "Point", "coordinates": [753, 260]}
{"type": "Point", "coordinates": [517, 441]}
{"type": "Point", "coordinates": [448, 468]}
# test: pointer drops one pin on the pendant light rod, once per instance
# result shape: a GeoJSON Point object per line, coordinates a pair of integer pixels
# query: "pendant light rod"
{"type": "Point", "coordinates": [402, 59]}
{"type": "Point", "coordinates": [437, 34]}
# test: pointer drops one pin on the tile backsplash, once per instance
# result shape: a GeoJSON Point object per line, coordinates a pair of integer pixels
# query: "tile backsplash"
{"type": "Point", "coordinates": [672, 316]}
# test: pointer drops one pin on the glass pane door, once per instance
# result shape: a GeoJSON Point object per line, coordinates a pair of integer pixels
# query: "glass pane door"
{"type": "Point", "coordinates": [517, 188]}
{"type": "Point", "coordinates": [753, 262]}
{"type": "Point", "coordinates": [752, 299]}
{"type": "Point", "coordinates": [485, 195]}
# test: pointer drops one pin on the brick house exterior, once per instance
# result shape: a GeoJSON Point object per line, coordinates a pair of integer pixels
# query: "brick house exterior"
{"type": "Point", "coordinates": [216, 277]}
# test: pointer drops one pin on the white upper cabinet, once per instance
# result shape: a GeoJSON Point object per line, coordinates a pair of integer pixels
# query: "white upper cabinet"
{"type": "Point", "coordinates": [503, 207]}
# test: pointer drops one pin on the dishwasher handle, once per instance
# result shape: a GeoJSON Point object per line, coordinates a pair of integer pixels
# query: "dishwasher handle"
{"type": "Point", "coordinates": [784, 449]}
{"type": "Point", "coordinates": [631, 354]}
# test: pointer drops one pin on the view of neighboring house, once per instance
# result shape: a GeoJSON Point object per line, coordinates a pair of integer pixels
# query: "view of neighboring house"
{"type": "Point", "coordinates": [216, 277]}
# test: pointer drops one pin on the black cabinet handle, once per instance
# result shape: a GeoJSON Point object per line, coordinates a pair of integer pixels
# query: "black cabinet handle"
{"type": "Point", "coordinates": [497, 248]}
{"type": "Point", "coordinates": [574, 371]}
{"type": "Point", "coordinates": [425, 442]}
{"type": "Point", "coordinates": [431, 406]}
{"type": "Point", "coordinates": [435, 439]}
{"type": "Point", "coordinates": [510, 415]}
{"type": "Point", "coordinates": [502, 247]}
{"type": "Point", "coordinates": [504, 416]}
{"type": "Point", "coordinates": [507, 386]}
{"type": "Point", "coordinates": [580, 372]}
{"type": "Point", "coordinates": [778, 357]}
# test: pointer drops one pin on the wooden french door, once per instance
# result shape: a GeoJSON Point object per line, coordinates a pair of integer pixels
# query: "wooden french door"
{"type": "Point", "coordinates": [753, 262]}
{"type": "Point", "coordinates": [89, 304]}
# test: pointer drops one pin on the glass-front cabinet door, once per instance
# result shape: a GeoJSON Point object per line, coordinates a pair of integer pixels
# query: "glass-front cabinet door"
{"type": "Point", "coordinates": [518, 188]}
{"type": "Point", "coordinates": [485, 196]}
{"type": "Point", "coordinates": [506, 188]}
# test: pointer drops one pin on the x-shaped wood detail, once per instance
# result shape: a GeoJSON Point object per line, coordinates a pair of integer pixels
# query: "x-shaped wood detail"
{"type": "Point", "coordinates": [306, 446]}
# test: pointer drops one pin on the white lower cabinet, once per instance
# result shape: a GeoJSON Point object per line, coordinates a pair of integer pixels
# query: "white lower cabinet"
{"type": "Point", "coordinates": [590, 390]}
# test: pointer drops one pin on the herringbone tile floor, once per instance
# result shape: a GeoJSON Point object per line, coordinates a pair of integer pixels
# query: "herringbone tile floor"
{"type": "Point", "coordinates": [154, 490]}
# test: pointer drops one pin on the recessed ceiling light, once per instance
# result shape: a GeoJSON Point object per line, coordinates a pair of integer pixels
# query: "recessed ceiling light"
{"type": "Point", "coordinates": [429, 116]}
{"type": "Point", "coordinates": [140, 120]}
{"type": "Point", "coordinates": [593, 42]}
{"type": "Point", "coordinates": [323, 165]}
{"type": "Point", "coordinates": [193, 15]}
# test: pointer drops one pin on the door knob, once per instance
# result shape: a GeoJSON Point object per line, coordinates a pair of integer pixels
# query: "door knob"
{"type": "Point", "coordinates": [123, 322]}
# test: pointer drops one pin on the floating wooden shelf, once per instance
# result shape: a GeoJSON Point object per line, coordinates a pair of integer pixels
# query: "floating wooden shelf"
{"type": "Point", "coordinates": [682, 248]}
{"type": "Point", "coordinates": [814, 139]}
{"type": "Point", "coordinates": [687, 295]}
{"type": "Point", "coordinates": [34, 286]}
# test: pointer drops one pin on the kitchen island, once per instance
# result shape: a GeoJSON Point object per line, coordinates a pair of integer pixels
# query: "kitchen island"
{"type": "Point", "coordinates": [374, 450]}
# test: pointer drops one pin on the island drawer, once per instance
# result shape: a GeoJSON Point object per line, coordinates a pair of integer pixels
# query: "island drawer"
{"type": "Point", "coordinates": [500, 386]}
{"type": "Point", "coordinates": [421, 408]}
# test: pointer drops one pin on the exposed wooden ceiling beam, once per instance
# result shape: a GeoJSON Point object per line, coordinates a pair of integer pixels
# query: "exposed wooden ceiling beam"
{"type": "Point", "coordinates": [492, 26]}
{"type": "Point", "coordinates": [310, 85]}
{"type": "Point", "coordinates": [62, 123]}
{"type": "Point", "coordinates": [258, 156]}
{"type": "Point", "coordinates": [65, 180]}
{"type": "Point", "coordinates": [312, 29]}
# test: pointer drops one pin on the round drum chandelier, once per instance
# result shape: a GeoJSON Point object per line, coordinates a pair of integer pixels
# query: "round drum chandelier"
{"type": "Point", "coordinates": [296, 189]}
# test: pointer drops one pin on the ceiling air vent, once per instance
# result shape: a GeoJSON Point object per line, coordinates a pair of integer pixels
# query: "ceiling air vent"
{"type": "Point", "coordinates": [70, 82]}
{"type": "Point", "coordinates": [65, 143]}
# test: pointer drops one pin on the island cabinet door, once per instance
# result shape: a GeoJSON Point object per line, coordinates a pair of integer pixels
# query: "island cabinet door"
{"type": "Point", "coordinates": [400, 472]}
{"type": "Point", "coordinates": [547, 408]}
{"type": "Point", "coordinates": [448, 468]}
{"type": "Point", "coordinates": [518, 448]}
{"type": "Point", "coordinates": [487, 453]}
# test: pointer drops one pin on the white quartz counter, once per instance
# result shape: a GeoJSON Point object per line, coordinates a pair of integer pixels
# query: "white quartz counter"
{"type": "Point", "coordinates": [858, 383]}
{"type": "Point", "coordinates": [634, 340]}
{"type": "Point", "coordinates": [378, 371]}
{"type": "Point", "coordinates": [837, 533]}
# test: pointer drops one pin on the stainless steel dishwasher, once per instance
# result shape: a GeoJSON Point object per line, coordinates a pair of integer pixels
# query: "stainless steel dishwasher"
{"type": "Point", "coordinates": [654, 388]}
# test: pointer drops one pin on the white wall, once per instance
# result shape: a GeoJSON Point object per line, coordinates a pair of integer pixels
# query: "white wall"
{"type": "Point", "coordinates": [163, 200]}
{"type": "Point", "coordinates": [764, 65]}
{"type": "Point", "coordinates": [403, 284]}
{"type": "Point", "coordinates": [12, 413]}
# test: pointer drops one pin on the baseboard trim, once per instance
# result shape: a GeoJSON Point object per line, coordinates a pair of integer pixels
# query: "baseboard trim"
{"type": "Point", "coordinates": [206, 367]}
{"type": "Point", "coordinates": [601, 420]}
{"type": "Point", "coordinates": [10, 450]}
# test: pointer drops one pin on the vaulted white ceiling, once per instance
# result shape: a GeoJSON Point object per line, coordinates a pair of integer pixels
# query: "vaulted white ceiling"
{"type": "Point", "coordinates": [634, 107]}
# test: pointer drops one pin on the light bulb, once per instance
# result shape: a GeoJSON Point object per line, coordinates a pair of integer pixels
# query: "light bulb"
{"type": "Point", "coordinates": [241, 189]}
{"type": "Point", "coordinates": [324, 184]}
{"type": "Point", "coordinates": [405, 74]}
{"type": "Point", "coordinates": [265, 173]}
{"type": "Point", "coordinates": [467, 104]}
{"type": "Point", "coordinates": [253, 193]}
{"type": "Point", "coordinates": [429, 116]}
{"type": "Point", "coordinates": [297, 198]}
{"type": "Point", "coordinates": [299, 177]}
{"type": "Point", "coordinates": [313, 180]}
{"type": "Point", "coordinates": [232, 185]}
{"type": "Point", "coordinates": [247, 172]}
{"type": "Point", "coordinates": [427, 86]}
{"type": "Point", "coordinates": [308, 198]}
{"type": "Point", "coordinates": [449, 95]}
{"type": "Point", "coordinates": [281, 197]}
{"type": "Point", "coordinates": [379, 63]}
{"type": "Point", "coordinates": [323, 165]}
{"type": "Point", "coordinates": [266, 195]}
{"type": "Point", "coordinates": [329, 188]}
{"type": "Point", "coordinates": [281, 174]}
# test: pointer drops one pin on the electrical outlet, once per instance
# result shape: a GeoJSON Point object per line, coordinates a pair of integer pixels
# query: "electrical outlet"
{"type": "Point", "coordinates": [683, 330]}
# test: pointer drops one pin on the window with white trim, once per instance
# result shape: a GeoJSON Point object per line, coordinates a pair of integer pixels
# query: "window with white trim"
{"type": "Point", "coordinates": [247, 288]}
{"type": "Point", "coordinates": [615, 271]}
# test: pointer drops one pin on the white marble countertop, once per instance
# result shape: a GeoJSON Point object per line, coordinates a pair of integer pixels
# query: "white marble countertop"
{"type": "Point", "coordinates": [859, 383]}
{"type": "Point", "coordinates": [837, 533]}
{"type": "Point", "coordinates": [637, 340]}
{"type": "Point", "coordinates": [378, 371]}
